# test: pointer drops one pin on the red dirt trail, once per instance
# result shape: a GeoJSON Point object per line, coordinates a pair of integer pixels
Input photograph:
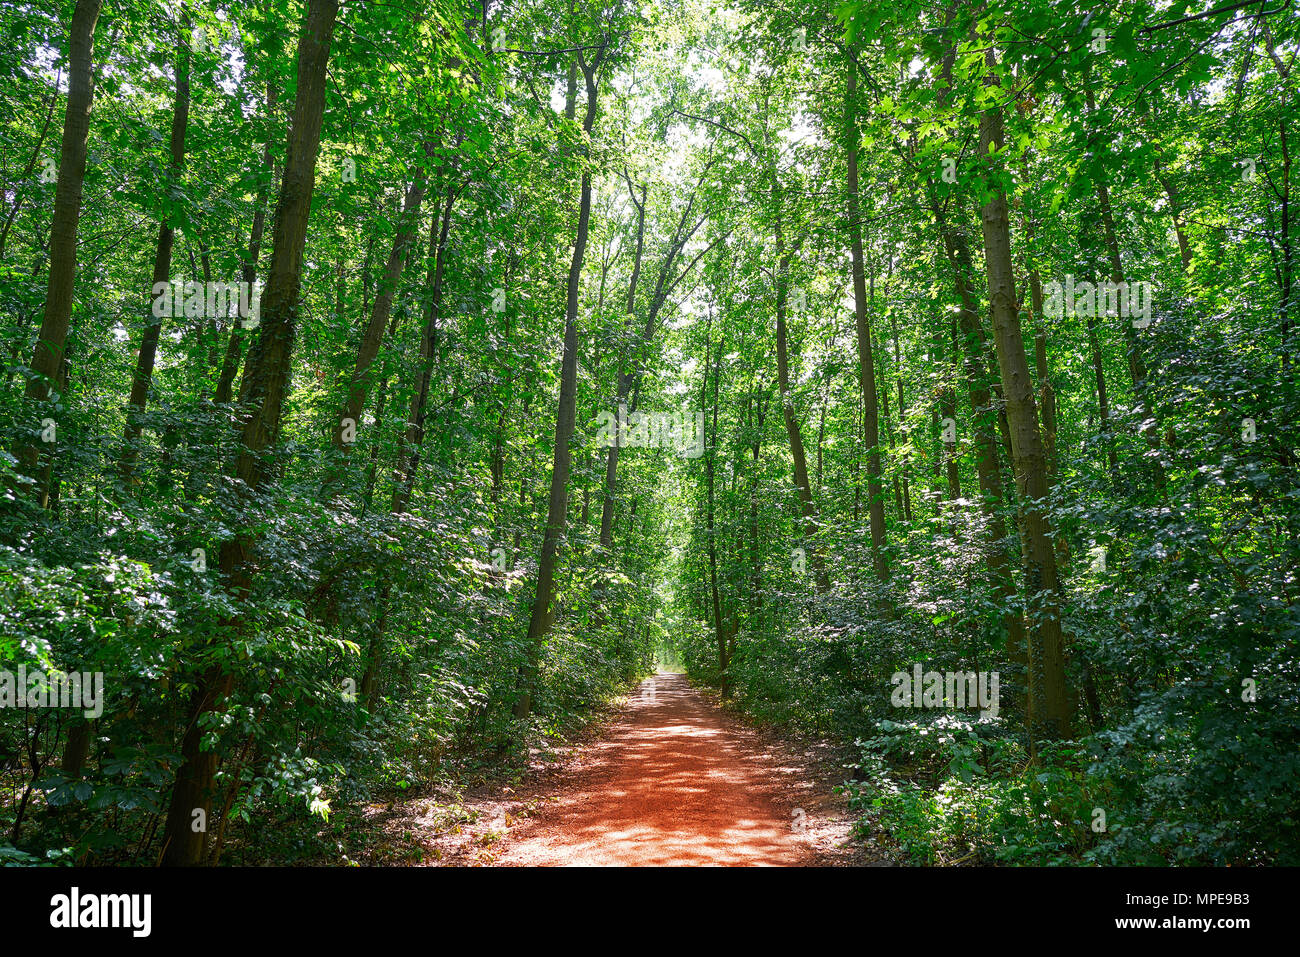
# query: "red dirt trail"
{"type": "Point", "coordinates": [674, 782]}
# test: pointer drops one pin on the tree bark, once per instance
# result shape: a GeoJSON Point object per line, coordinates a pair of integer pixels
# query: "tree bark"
{"type": "Point", "coordinates": [710, 464]}
{"type": "Point", "coordinates": [624, 385]}
{"type": "Point", "coordinates": [1175, 213]}
{"type": "Point", "coordinates": [1049, 708]}
{"type": "Point", "coordinates": [382, 308]}
{"type": "Point", "coordinates": [973, 345]}
{"type": "Point", "coordinates": [802, 485]}
{"type": "Point", "coordinates": [557, 506]}
{"type": "Point", "coordinates": [47, 359]}
{"type": "Point", "coordinates": [235, 344]}
{"type": "Point", "coordinates": [866, 365]}
{"type": "Point", "coordinates": [948, 409]}
{"type": "Point", "coordinates": [162, 265]}
{"type": "Point", "coordinates": [412, 443]}
{"type": "Point", "coordinates": [1148, 425]}
{"type": "Point", "coordinates": [184, 844]}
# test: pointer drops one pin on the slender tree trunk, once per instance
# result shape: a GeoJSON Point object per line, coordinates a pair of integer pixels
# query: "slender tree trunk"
{"type": "Point", "coordinates": [382, 308]}
{"type": "Point", "coordinates": [755, 556]}
{"type": "Point", "coordinates": [902, 419]}
{"type": "Point", "coordinates": [710, 463]}
{"type": "Point", "coordinates": [192, 795]}
{"type": "Point", "coordinates": [821, 431]}
{"type": "Point", "coordinates": [969, 341]}
{"type": "Point", "coordinates": [624, 386]}
{"type": "Point", "coordinates": [557, 507]}
{"type": "Point", "coordinates": [1105, 426]}
{"type": "Point", "coordinates": [866, 366]}
{"type": "Point", "coordinates": [1046, 395]}
{"type": "Point", "coordinates": [886, 416]}
{"type": "Point", "coordinates": [1136, 364]}
{"type": "Point", "coordinates": [802, 485]}
{"type": "Point", "coordinates": [630, 379]}
{"type": "Point", "coordinates": [77, 749]}
{"type": "Point", "coordinates": [235, 344]}
{"type": "Point", "coordinates": [1049, 708]}
{"type": "Point", "coordinates": [162, 265]}
{"type": "Point", "coordinates": [498, 464]}
{"type": "Point", "coordinates": [47, 359]}
{"type": "Point", "coordinates": [1286, 303]}
{"type": "Point", "coordinates": [1175, 213]}
{"type": "Point", "coordinates": [26, 174]}
{"type": "Point", "coordinates": [411, 446]}
{"type": "Point", "coordinates": [973, 344]}
{"type": "Point", "coordinates": [948, 410]}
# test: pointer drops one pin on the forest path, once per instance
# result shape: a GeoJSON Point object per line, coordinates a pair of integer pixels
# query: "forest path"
{"type": "Point", "coordinates": [677, 781]}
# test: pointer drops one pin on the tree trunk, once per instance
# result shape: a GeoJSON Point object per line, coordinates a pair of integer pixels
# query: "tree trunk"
{"type": "Point", "coordinates": [755, 556]}
{"type": "Point", "coordinates": [235, 344]}
{"type": "Point", "coordinates": [77, 749]}
{"type": "Point", "coordinates": [902, 419]}
{"type": "Point", "coordinates": [972, 344]}
{"type": "Point", "coordinates": [802, 485]}
{"type": "Point", "coordinates": [162, 265]}
{"type": "Point", "coordinates": [184, 842]}
{"type": "Point", "coordinates": [948, 409]}
{"type": "Point", "coordinates": [710, 463]}
{"type": "Point", "coordinates": [557, 506]}
{"type": "Point", "coordinates": [1136, 364]}
{"type": "Point", "coordinates": [866, 365]}
{"type": "Point", "coordinates": [1105, 426]}
{"type": "Point", "coordinates": [624, 386]}
{"type": "Point", "coordinates": [1175, 213]}
{"type": "Point", "coordinates": [1049, 709]}
{"type": "Point", "coordinates": [382, 308]}
{"type": "Point", "coordinates": [412, 444]}
{"type": "Point", "coordinates": [1046, 395]}
{"type": "Point", "coordinates": [47, 359]}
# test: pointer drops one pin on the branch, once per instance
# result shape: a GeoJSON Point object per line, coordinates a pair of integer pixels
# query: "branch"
{"type": "Point", "coordinates": [726, 129]}
{"type": "Point", "coordinates": [1201, 16]}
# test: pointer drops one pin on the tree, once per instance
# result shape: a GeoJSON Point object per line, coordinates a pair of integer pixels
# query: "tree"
{"type": "Point", "coordinates": [47, 365]}
{"type": "Point", "coordinates": [191, 799]}
{"type": "Point", "coordinates": [162, 262]}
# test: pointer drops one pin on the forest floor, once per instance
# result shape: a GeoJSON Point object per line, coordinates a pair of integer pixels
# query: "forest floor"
{"type": "Point", "coordinates": [671, 779]}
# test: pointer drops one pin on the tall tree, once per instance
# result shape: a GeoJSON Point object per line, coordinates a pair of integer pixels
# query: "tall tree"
{"type": "Point", "coordinates": [162, 262]}
{"type": "Point", "coordinates": [47, 359]}
{"type": "Point", "coordinates": [1049, 701]}
{"type": "Point", "coordinates": [192, 795]}
{"type": "Point", "coordinates": [866, 361]}
{"type": "Point", "coordinates": [558, 502]}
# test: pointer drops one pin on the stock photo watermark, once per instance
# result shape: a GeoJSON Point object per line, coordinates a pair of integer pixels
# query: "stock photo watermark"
{"type": "Point", "coordinates": [1129, 300]}
{"type": "Point", "coordinates": [57, 689]}
{"type": "Point", "coordinates": [77, 910]}
{"type": "Point", "coordinates": [208, 300]}
{"type": "Point", "coordinates": [681, 431]}
{"type": "Point", "coordinates": [946, 689]}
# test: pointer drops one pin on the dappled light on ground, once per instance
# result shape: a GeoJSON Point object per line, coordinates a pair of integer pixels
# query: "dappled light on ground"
{"type": "Point", "coordinates": [671, 784]}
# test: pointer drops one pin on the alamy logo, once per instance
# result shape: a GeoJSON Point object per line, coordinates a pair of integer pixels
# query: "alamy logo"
{"type": "Point", "coordinates": [36, 689]}
{"type": "Point", "coordinates": [208, 300]}
{"type": "Point", "coordinates": [946, 689]}
{"type": "Point", "coordinates": [75, 910]}
{"type": "Point", "coordinates": [677, 430]}
{"type": "Point", "coordinates": [1132, 300]}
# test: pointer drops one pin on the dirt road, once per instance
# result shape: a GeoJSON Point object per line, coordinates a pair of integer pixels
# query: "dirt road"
{"type": "Point", "coordinates": [674, 782]}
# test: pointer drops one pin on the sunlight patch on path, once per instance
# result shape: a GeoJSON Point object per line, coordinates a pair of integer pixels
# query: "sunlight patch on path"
{"type": "Point", "coordinates": [672, 784]}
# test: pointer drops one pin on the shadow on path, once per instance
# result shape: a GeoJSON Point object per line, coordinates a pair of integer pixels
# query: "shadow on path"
{"type": "Point", "coordinates": [671, 784]}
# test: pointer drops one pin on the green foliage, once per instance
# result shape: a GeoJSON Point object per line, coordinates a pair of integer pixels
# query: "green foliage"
{"type": "Point", "coordinates": [364, 610]}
